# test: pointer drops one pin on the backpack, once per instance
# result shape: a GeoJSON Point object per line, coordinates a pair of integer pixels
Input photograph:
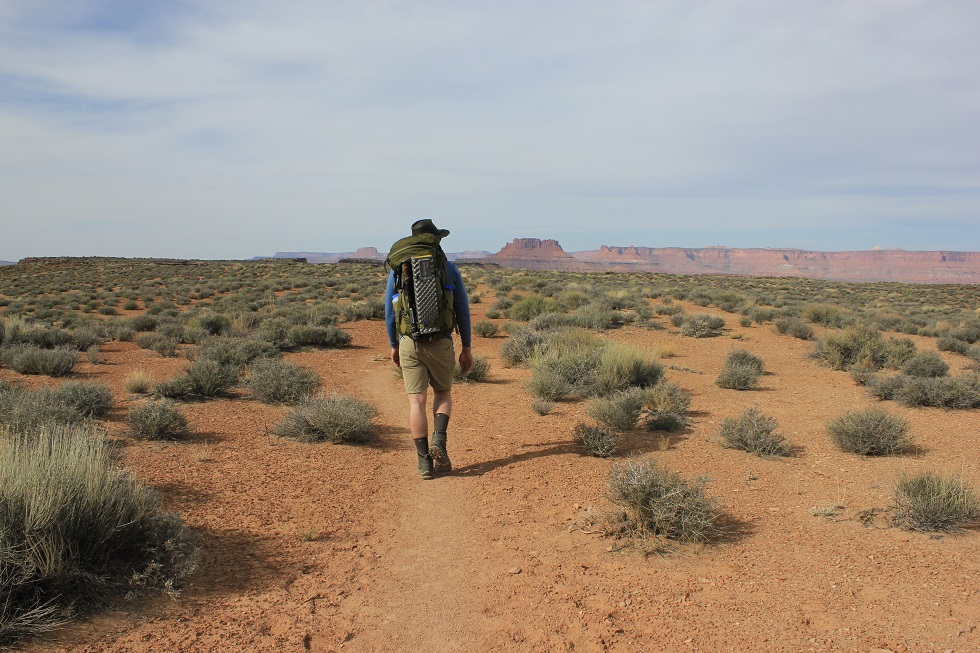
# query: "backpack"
{"type": "Point", "coordinates": [423, 298]}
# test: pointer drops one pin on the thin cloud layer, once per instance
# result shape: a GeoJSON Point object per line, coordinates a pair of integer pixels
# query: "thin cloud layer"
{"type": "Point", "coordinates": [237, 129]}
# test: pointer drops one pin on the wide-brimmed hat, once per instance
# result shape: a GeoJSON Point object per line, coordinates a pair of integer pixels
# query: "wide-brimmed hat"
{"type": "Point", "coordinates": [426, 227]}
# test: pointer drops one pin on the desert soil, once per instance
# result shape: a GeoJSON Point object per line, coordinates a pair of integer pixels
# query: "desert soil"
{"type": "Point", "coordinates": [317, 547]}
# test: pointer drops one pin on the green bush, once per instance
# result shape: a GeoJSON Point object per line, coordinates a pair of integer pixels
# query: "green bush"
{"type": "Point", "coordinates": [532, 305]}
{"type": "Point", "coordinates": [657, 502]}
{"type": "Point", "coordinates": [830, 316]}
{"type": "Point", "coordinates": [870, 432]}
{"type": "Point", "coordinates": [572, 299]}
{"type": "Point", "coordinates": [860, 345]}
{"type": "Point", "coordinates": [700, 325]}
{"type": "Point", "coordinates": [485, 329]}
{"type": "Point", "coordinates": [336, 418]}
{"type": "Point", "coordinates": [147, 340]}
{"type": "Point", "coordinates": [596, 318]}
{"type": "Point", "coordinates": [597, 441]}
{"type": "Point", "coordinates": [542, 406]}
{"type": "Point", "coordinates": [795, 327]}
{"type": "Point", "coordinates": [234, 352]}
{"type": "Point", "coordinates": [478, 373]}
{"type": "Point", "coordinates": [303, 335]}
{"type": "Point", "coordinates": [898, 352]}
{"type": "Point", "coordinates": [667, 405]}
{"type": "Point", "coordinates": [211, 322]}
{"type": "Point", "coordinates": [566, 367]}
{"type": "Point", "coordinates": [622, 366]}
{"type": "Point", "coordinates": [957, 393]}
{"type": "Point", "coordinates": [83, 338]}
{"type": "Point", "coordinates": [521, 346]}
{"type": "Point", "coordinates": [926, 364]}
{"type": "Point", "coordinates": [24, 411]}
{"type": "Point", "coordinates": [45, 337]}
{"type": "Point", "coordinates": [76, 531]}
{"type": "Point", "coordinates": [179, 387]}
{"type": "Point", "coordinates": [157, 420]}
{"type": "Point", "coordinates": [882, 387]}
{"type": "Point", "coordinates": [947, 343]}
{"type": "Point", "coordinates": [31, 359]}
{"type": "Point", "coordinates": [90, 398]}
{"type": "Point", "coordinates": [274, 381]}
{"type": "Point", "coordinates": [743, 357]}
{"type": "Point", "coordinates": [210, 378]}
{"type": "Point", "coordinates": [619, 411]}
{"type": "Point", "coordinates": [755, 432]}
{"type": "Point", "coordinates": [363, 310]}
{"type": "Point", "coordinates": [927, 501]}
{"type": "Point", "coordinates": [738, 376]}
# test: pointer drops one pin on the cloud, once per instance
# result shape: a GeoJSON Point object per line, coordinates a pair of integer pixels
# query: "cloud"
{"type": "Point", "coordinates": [341, 122]}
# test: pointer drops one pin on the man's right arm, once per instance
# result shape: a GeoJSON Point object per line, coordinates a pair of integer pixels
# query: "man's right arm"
{"type": "Point", "coordinates": [390, 318]}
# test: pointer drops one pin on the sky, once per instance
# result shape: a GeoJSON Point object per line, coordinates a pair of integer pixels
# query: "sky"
{"type": "Point", "coordinates": [215, 129]}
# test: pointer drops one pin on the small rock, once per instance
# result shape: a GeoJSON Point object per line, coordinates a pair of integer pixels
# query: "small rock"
{"type": "Point", "coordinates": [514, 570]}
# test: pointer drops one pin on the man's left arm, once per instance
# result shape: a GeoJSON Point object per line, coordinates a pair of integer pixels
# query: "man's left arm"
{"type": "Point", "coordinates": [461, 307]}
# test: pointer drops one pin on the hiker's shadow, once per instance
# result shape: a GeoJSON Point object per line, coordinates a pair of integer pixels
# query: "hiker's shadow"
{"type": "Point", "coordinates": [532, 452]}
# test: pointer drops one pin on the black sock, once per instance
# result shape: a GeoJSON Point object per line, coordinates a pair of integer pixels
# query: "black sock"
{"type": "Point", "coordinates": [422, 446]}
{"type": "Point", "coordinates": [441, 421]}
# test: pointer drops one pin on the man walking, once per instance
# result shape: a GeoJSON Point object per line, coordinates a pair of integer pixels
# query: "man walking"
{"type": "Point", "coordinates": [428, 359]}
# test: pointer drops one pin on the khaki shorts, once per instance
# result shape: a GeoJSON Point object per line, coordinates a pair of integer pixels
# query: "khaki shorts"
{"type": "Point", "coordinates": [425, 363]}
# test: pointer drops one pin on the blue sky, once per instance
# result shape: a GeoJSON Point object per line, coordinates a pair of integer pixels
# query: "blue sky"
{"type": "Point", "coordinates": [235, 129]}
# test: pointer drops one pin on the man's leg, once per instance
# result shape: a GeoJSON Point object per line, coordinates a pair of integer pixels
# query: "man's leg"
{"type": "Point", "coordinates": [418, 421]}
{"type": "Point", "coordinates": [442, 406]}
{"type": "Point", "coordinates": [416, 377]}
{"type": "Point", "coordinates": [419, 427]}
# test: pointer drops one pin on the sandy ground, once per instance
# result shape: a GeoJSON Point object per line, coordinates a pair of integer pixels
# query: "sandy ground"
{"type": "Point", "coordinates": [308, 547]}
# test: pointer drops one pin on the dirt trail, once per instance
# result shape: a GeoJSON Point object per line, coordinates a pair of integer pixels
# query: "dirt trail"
{"type": "Point", "coordinates": [426, 594]}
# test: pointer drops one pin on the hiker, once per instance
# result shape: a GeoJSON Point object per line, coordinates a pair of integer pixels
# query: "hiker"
{"type": "Point", "coordinates": [420, 334]}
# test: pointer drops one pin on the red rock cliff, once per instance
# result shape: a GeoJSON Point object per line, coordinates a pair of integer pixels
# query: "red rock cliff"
{"type": "Point", "coordinates": [871, 265]}
{"type": "Point", "coordinates": [535, 254]}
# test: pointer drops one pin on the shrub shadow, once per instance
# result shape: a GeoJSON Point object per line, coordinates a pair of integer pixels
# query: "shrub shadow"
{"type": "Point", "coordinates": [640, 441]}
{"type": "Point", "coordinates": [731, 529]}
{"type": "Point", "coordinates": [536, 451]}
{"type": "Point", "coordinates": [231, 561]}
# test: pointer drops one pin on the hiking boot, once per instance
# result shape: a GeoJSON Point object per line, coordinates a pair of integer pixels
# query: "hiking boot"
{"type": "Point", "coordinates": [425, 467]}
{"type": "Point", "coordinates": [437, 451]}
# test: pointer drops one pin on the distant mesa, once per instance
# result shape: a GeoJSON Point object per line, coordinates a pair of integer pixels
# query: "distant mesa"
{"type": "Point", "coordinates": [869, 265]}
{"type": "Point", "coordinates": [535, 254]}
{"type": "Point", "coordinates": [8, 263]}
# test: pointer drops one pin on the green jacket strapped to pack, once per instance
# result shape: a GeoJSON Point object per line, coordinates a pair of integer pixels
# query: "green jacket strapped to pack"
{"type": "Point", "coordinates": [423, 299]}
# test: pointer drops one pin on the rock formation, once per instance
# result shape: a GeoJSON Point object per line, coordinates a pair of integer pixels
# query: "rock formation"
{"type": "Point", "coordinates": [535, 254]}
{"type": "Point", "coordinates": [871, 265]}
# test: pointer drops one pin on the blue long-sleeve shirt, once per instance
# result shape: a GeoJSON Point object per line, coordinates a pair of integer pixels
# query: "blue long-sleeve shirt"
{"type": "Point", "coordinates": [461, 307]}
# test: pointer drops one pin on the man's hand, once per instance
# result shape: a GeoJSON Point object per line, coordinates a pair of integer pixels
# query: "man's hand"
{"type": "Point", "coordinates": [395, 358]}
{"type": "Point", "coordinates": [466, 360]}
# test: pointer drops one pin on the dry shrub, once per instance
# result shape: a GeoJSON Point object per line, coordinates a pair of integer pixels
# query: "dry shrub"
{"type": "Point", "coordinates": [667, 405]}
{"type": "Point", "coordinates": [620, 411]}
{"type": "Point", "coordinates": [478, 373]}
{"type": "Point", "coordinates": [870, 432]}
{"type": "Point", "coordinates": [76, 531]}
{"type": "Point", "coordinates": [755, 432]}
{"type": "Point", "coordinates": [928, 501]}
{"type": "Point", "coordinates": [275, 381]}
{"type": "Point", "coordinates": [336, 418]}
{"type": "Point", "coordinates": [658, 502]}
{"type": "Point", "coordinates": [137, 382]}
{"type": "Point", "coordinates": [597, 441]}
{"type": "Point", "coordinates": [157, 420]}
{"type": "Point", "coordinates": [90, 398]}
